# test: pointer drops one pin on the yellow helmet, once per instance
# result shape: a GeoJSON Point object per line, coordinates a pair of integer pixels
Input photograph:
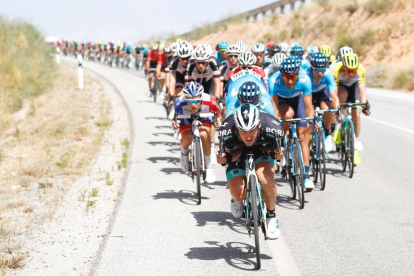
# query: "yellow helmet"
{"type": "Point", "coordinates": [326, 50]}
{"type": "Point", "coordinates": [350, 61]}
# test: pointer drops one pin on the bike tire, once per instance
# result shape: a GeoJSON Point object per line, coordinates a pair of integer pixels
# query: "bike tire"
{"type": "Point", "coordinates": [289, 175]}
{"type": "Point", "coordinates": [198, 168]}
{"type": "Point", "coordinates": [300, 189]}
{"type": "Point", "coordinates": [344, 156]}
{"type": "Point", "coordinates": [255, 214]}
{"type": "Point", "coordinates": [351, 147]}
{"type": "Point", "coordinates": [314, 160]}
{"type": "Point", "coordinates": [322, 162]}
{"type": "Point", "coordinates": [156, 88]}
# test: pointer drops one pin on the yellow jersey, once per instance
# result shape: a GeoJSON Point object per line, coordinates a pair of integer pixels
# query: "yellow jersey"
{"type": "Point", "coordinates": [341, 79]}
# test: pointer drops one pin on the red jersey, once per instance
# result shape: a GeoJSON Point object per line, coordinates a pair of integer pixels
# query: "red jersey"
{"type": "Point", "coordinates": [155, 56]}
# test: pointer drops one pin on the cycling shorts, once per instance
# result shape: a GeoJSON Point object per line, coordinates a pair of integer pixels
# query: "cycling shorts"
{"type": "Point", "coordinates": [322, 96]}
{"type": "Point", "coordinates": [238, 168]}
{"type": "Point", "coordinates": [179, 80]}
{"type": "Point", "coordinates": [298, 107]}
{"type": "Point", "coordinates": [153, 65]}
{"type": "Point", "coordinates": [353, 94]}
{"type": "Point", "coordinates": [186, 124]}
{"type": "Point", "coordinates": [209, 87]}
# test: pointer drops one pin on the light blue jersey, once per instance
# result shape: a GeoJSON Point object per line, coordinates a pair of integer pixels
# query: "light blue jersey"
{"type": "Point", "coordinates": [236, 81]}
{"type": "Point", "coordinates": [278, 88]}
{"type": "Point", "coordinates": [218, 57]}
{"type": "Point", "coordinates": [327, 80]}
{"type": "Point", "coordinates": [305, 64]}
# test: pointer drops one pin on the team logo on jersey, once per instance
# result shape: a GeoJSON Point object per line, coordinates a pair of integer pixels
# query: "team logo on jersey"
{"type": "Point", "coordinates": [234, 92]}
{"type": "Point", "coordinates": [302, 80]}
{"type": "Point", "coordinates": [224, 124]}
{"type": "Point", "coordinates": [275, 122]}
{"type": "Point", "coordinates": [238, 75]}
{"type": "Point", "coordinates": [263, 105]}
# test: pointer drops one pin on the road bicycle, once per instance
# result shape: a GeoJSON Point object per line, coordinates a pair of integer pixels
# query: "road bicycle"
{"type": "Point", "coordinates": [196, 155]}
{"type": "Point", "coordinates": [155, 84]}
{"type": "Point", "coordinates": [294, 161]}
{"type": "Point", "coordinates": [255, 207]}
{"type": "Point", "coordinates": [318, 154]}
{"type": "Point", "coordinates": [347, 148]}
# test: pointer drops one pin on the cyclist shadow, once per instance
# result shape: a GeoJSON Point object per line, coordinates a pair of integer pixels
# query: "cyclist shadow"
{"type": "Point", "coordinates": [165, 143]}
{"type": "Point", "coordinates": [220, 219]}
{"type": "Point", "coordinates": [170, 171]}
{"type": "Point", "coordinates": [145, 101]}
{"type": "Point", "coordinates": [163, 133]}
{"type": "Point", "coordinates": [217, 183]}
{"type": "Point", "coordinates": [184, 196]}
{"type": "Point", "coordinates": [162, 126]}
{"type": "Point", "coordinates": [156, 118]}
{"type": "Point", "coordinates": [287, 202]}
{"type": "Point", "coordinates": [235, 254]}
{"type": "Point", "coordinates": [160, 159]}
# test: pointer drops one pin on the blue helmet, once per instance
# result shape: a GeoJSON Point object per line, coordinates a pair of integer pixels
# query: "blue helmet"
{"type": "Point", "coordinates": [319, 60]}
{"type": "Point", "coordinates": [223, 45]}
{"type": "Point", "coordinates": [290, 67]}
{"type": "Point", "coordinates": [249, 92]}
{"type": "Point", "coordinates": [193, 89]}
{"type": "Point", "coordinates": [297, 50]}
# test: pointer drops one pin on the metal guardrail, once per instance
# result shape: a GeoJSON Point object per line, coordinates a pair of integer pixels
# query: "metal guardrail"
{"type": "Point", "coordinates": [282, 4]}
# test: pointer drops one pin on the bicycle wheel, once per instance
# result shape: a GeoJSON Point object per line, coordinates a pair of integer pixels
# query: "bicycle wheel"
{"type": "Point", "coordinates": [198, 167]}
{"type": "Point", "coordinates": [313, 158]}
{"type": "Point", "coordinates": [351, 149]}
{"type": "Point", "coordinates": [344, 154]}
{"type": "Point", "coordinates": [322, 161]}
{"type": "Point", "coordinates": [255, 213]}
{"type": "Point", "coordinates": [300, 189]}
{"type": "Point", "coordinates": [155, 90]}
{"type": "Point", "coordinates": [289, 175]}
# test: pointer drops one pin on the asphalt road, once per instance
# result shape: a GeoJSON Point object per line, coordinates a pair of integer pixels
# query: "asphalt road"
{"type": "Point", "coordinates": [359, 226]}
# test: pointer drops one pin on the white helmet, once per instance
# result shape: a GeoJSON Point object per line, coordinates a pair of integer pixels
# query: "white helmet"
{"type": "Point", "coordinates": [201, 53]}
{"type": "Point", "coordinates": [174, 47]}
{"type": "Point", "coordinates": [284, 47]}
{"type": "Point", "coordinates": [184, 49]}
{"type": "Point", "coordinates": [247, 117]}
{"type": "Point", "coordinates": [242, 46]}
{"type": "Point", "coordinates": [247, 59]}
{"type": "Point", "coordinates": [233, 49]}
{"type": "Point", "coordinates": [345, 50]}
{"type": "Point", "coordinates": [312, 49]}
{"type": "Point", "coordinates": [155, 46]}
{"type": "Point", "coordinates": [277, 59]}
{"type": "Point", "coordinates": [258, 48]}
{"type": "Point", "coordinates": [207, 46]}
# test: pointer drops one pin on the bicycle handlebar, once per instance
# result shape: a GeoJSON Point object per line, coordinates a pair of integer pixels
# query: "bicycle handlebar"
{"type": "Point", "coordinates": [352, 104]}
{"type": "Point", "coordinates": [297, 120]}
{"type": "Point", "coordinates": [195, 116]}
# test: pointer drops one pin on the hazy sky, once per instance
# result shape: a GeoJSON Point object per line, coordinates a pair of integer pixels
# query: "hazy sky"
{"type": "Point", "coordinates": [124, 20]}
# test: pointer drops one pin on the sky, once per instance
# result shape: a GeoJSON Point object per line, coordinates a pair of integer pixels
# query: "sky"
{"type": "Point", "coordinates": [124, 20]}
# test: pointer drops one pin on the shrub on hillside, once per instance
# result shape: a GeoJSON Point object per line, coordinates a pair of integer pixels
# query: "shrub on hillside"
{"type": "Point", "coordinates": [26, 66]}
{"type": "Point", "coordinates": [378, 6]}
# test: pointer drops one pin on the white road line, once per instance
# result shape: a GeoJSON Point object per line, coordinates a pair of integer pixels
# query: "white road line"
{"type": "Point", "coordinates": [390, 125]}
{"type": "Point", "coordinates": [285, 263]}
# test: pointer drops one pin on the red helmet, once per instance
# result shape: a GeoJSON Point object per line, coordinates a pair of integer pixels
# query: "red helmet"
{"type": "Point", "coordinates": [269, 45]}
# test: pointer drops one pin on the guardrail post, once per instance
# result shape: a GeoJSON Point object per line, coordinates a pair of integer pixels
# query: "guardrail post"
{"type": "Point", "coordinates": [80, 72]}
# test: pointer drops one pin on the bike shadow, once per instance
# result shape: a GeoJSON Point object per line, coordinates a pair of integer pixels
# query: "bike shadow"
{"type": "Point", "coordinates": [162, 126]}
{"type": "Point", "coordinates": [156, 118]}
{"type": "Point", "coordinates": [163, 159]}
{"type": "Point", "coordinates": [184, 196]}
{"type": "Point", "coordinates": [163, 133]}
{"type": "Point", "coordinates": [211, 185]}
{"type": "Point", "coordinates": [165, 143]}
{"type": "Point", "coordinates": [236, 254]}
{"type": "Point", "coordinates": [145, 101]}
{"type": "Point", "coordinates": [221, 219]}
{"type": "Point", "coordinates": [287, 202]}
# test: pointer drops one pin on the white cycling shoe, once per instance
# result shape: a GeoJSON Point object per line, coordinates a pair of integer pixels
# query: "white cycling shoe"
{"type": "Point", "coordinates": [273, 230]}
{"type": "Point", "coordinates": [329, 144]}
{"type": "Point", "coordinates": [236, 208]}
{"type": "Point", "coordinates": [309, 184]}
{"type": "Point", "coordinates": [210, 176]}
{"type": "Point", "coordinates": [184, 162]}
{"type": "Point", "coordinates": [358, 145]}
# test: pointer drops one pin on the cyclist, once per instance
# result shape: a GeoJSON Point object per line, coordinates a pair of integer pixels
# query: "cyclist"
{"type": "Point", "coordinates": [227, 65]}
{"type": "Point", "coordinates": [247, 60]}
{"type": "Point", "coordinates": [258, 50]}
{"type": "Point", "coordinates": [246, 126]}
{"type": "Point", "coordinates": [292, 96]}
{"type": "Point", "coordinates": [221, 54]}
{"type": "Point", "coordinates": [342, 52]}
{"type": "Point", "coordinates": [242, 46]}
{"type": "Point", "coordinates": [178, 67]}
{"type": "Point", "coordinates": [350, 79]}
{"type": "Point", "coordinates": [274, 66]}
{"type": "Point", "coordinates": [297, 50]}
{"type": "Point", "coordinates": [154, 58]}
{"type": "Point", "coordinates": [195, 101]}
{"type": "Point", "coordinates": [327, 51]}
{"type": "Point", "coordinates": [312, 49]}
{"type": "Point", "coordinates": [323, 92]}
{"type": "Point", "coordinates": [284, 47]}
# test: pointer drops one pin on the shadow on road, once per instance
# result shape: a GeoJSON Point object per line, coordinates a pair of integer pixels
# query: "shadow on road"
{"type": "Point", "coordinates": [156, 118]}
{"type": "Point", "coordinates": [165, 143]}
{"type": "Point", "coordinates": [211, 185]}
{"type": "Point", "coordinates": [166, 126]}
{"type": "Point", "coordinates": [172, 170]}
{"type": "Point", "coordinates": [220, 219]}
{"type": "Point", "coordinates": [235, 254]}
{"type": "Point", "coordinates": [161, 159]}
{"type": "Point", "coordinates": [164, 133]}
{"type": "Point", "coordinates": [184, 196]}
{"type": "Point", "coordinates": [287, 202]}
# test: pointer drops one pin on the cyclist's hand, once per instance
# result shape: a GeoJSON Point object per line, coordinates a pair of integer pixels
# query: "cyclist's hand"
{"type": "Point", "coordinates": [170, 104]}
{"type": "Point", "coordinates": [176, 124]}
{"type": "Point", "coordinates": [279, 155]}
{"type": "Point", "coordinates": [221, 159]}
{"type": "Point", "coordinates": [217, 123]}
{"type": "Point", "coordinates": [366, 109]}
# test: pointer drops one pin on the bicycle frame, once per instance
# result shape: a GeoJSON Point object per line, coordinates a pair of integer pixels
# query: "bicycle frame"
{"type": "Point", "coordinates": [319, 122]}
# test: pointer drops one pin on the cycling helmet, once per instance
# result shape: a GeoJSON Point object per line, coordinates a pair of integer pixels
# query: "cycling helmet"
{"type": "Point", "coordinates": [258, 48]}
{"type": "Point", "coordinates": [274, 49]}
{"type": "Point", "coordinates": [201, 53]}
{"type": "Point", "coordinates": [289, 67]}
{"type": "Point", "coordinates": [233, 49]}
{"type": "Point", "coordinates": [247, 59]}
{"type": "Point", "coordinates": [249, 92]}
{"type": "Point", "coordinates": [167, 49]}
{"type": "Point", "coordinates": [246, 117]}
{"type": "Point", "coordinates": [193, 89]}
{"type": "Point", "coordinates": [326, 50]}
{"type": "Point", "coordinates": [223, 45]}
{"type": "Point", "coordinates": [296, 50]}
{"type": "Point", "coordinates": [242, 46]}
{"type": "Point", "coordinates": [174, 47]}
{"type": "Point", "coordinates": [345, 50]}
{"type": "Point", "coordinates": [284, 48]}
{"type": "Point", "coordinates": [312, 49]}
{"type": "Point", "coordinates": [319, 60]}
{"type": "Point", "coordinates": [278, 59]}
{"type": "Point", "coordinates": [207, 47]}
{"type": "Point", "coordinates": [184, 49]}
{"type": "Point", "coordinates": [155, 46]}
{"type": "Point", "coordinates": [295, 44]}
{"type": "Point", "coordinates": [350, 61]}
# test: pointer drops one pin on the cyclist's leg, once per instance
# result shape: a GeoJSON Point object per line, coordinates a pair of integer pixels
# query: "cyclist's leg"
{"type": "Point", "coordinates": [356, 110]}
{"type": "Point", "coordinates": [265, 170]}
{"type": "Point", "coordinates": [286, 112]}
{"type": "Point", "coordinates": [236, 179]}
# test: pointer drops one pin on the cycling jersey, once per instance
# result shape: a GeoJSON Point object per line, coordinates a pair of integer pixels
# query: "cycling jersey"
{"type": "Point", "coordinates": [218, 56]}
{"type": "Point", "coordinates": [305, 64]}
{"type": "Point", "coordinates": [234, 84]}
{"type": "Point", "coordinates": [270, 130]}
{"type": "Point", "coordinates": [177, 69]}
{"type": "Point", "coordinates": [128, 49]}
{"type": "Point", "coordinates": [204, 78]}
{"type": "Point", "coordinates": [209, 104]}
{"type": "Point", "coordinates": [341, 79]}
{"type": "Point", "coordinates": [256, 69]}
{"type": "Point", "coordinates": [225, 69]}
{"type": "Point", "coordinates": [327, 81]}
{"type": "Point", "coordinates": [302, 86]}
{"type": "Point", "coordinates": [155, 56]}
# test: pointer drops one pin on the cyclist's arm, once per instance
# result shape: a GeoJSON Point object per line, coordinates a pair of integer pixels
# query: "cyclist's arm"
{"type": "Point", "coordinates": [171, 86]}
{"type": "Point", "coordinates": [217, 88]}
{"type": "Point", "coordinates": [158, 70]}
{"type": "Point", "coordinates": [363, 92]}
{"type": "Point", "coordinates": [275, 102]}
{"type": "Point", "coordinates": [307, 99]}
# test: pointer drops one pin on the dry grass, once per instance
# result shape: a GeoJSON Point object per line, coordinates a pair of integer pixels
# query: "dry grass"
{"type": "Point", "coordinates": [57, 139]}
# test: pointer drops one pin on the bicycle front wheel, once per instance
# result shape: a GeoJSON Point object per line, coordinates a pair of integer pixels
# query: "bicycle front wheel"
{"type": "Point", "coordinates": [300, 189]}
{"type": "Point", "coordinates": [255, 216]}
{"type": "Point", "coordinates": [322, 162]}
{"type": "Point", "coordinates": [198, 167]}
{"type": "Point", "coordinates": [289, 176]}
{"type": "Point", "coordinates": [351, 149]}
{"type": "Point", "coordinates": [155, 91]}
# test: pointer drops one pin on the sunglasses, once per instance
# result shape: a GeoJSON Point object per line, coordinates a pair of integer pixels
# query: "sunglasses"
{"type": "Point", "coordinates": [319, 70]}
{"type": "Point", "coordinates": [288, 78]}
{"type": "Point", "coordinates": [184, 59]}
{"type": "Point", "coordinates": [230, 56]}
{"type": "Point", "coordinates": [223, 50]}
{"type": "Point", "coordinates": [196, 101]}
{"type": "Point", "coordinates": [201, 62]}
{"type": "Point", "coordinates": [350, 71]}
{"type": "Point", "coordinates": [246, 67]}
